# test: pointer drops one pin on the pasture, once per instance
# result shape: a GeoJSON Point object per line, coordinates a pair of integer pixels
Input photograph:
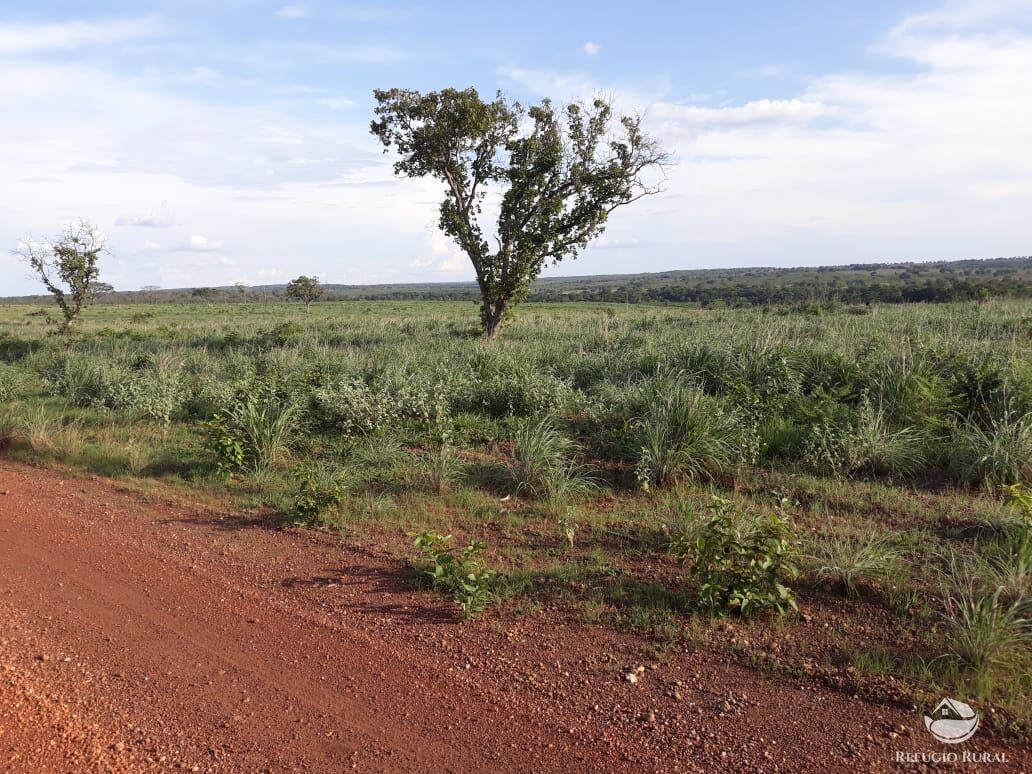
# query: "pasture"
{"type": "Point", "coordinates": [608, 459]}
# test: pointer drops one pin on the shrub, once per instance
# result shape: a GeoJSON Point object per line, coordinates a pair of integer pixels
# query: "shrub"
{"type": "Point", "coordinates": [320, 489]}
{"type": "Point", "coordinates": [459, 573]}
{"type": "Point", "coordinates": [738, 560]}
{"type": "Point", "coordinates": [252, 435]}
{"type": "Point", "coordinates": [687, 434]}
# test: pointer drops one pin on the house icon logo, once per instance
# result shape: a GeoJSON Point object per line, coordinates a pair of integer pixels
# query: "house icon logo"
{"type": "Point", "coordinates": [952, 721]}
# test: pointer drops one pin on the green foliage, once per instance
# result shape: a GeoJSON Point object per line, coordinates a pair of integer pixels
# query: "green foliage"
{"type": "Point", "coordinates": [304, 289]}
{"type": "Point", "coordinates": [560, 174]}
{"type": "Point", "coordinates": [738, 560]}
{"type": "Point", "coordinates": [993, 456]}
{"type": "Point", "coordinates": [544, 463]}
{"type": "Point", "coordinates": [687, 434]}
{"type": "Point", "coordinates": [251, 435]}
{"type": "Point", "coordinates": [321, 489]}
{"type": "Point", "coordinates": [67, 267]}
{"type": "Point", "coordinates": [982, 631]}
{"type": "Point", "coordinates": [459, 573]}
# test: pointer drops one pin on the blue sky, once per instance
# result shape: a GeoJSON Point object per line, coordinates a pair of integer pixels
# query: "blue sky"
{"type": "Point", "coordinates": [227, 141]}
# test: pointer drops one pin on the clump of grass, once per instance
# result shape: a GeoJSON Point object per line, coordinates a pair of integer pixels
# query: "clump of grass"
{"type": "Point", "coordinates": [995, 455]}
{"type": "Point", "coordinates": [254, 435]}
{"type": "Point", "coordinates": [687, 435]}
{"type": "Point", "coordinates": [544, 464]}
{"type": "Point", "coordinates": [851, 563]}
{"type": "Point", "coordinates": [983, 631]}
{"type": "Point", "coordinates": [875, 447]}
{"type": "Point", "coordinates": [437, 469]}
{"type": "Point", "coordinates": [379, 452]}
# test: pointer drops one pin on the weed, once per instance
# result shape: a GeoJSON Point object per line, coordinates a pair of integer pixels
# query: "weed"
{"type": "Point", "coordinates": [459, 573]}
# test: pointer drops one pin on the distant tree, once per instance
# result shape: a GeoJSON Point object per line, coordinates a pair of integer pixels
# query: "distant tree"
{"type": "Point", "coordinates": [306, 290]}
{"type": "Point", "coordinates": [67, 267]}
{"type": "Point", "coordinates": [150, 292]}
{"type": "Point", "coordinates": [241, 289]}
{"type": "Point", "coordinates": [559, 174]}
{"type": "Point", "coordinates": [207, 294]}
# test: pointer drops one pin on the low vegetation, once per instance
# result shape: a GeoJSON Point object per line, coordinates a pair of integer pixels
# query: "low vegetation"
{"type": "Point", "coordinates": [872, 467]}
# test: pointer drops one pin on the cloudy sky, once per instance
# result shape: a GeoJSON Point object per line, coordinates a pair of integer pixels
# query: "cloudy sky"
{"type": "Point", "coordinates": [227, 140]}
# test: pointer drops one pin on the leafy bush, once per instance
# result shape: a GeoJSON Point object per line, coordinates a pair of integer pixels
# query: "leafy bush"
{"type": "Point", "coordinates": [521, 393]}
{"type": "Point", "coordinates": [320, 489]}
{"type": "Point", "coordinates": [738, 560]}
{"type": "Point", "coordinates": [252, 435]}
{"type": "Point", "coordinates": [459, 573]}
{"type": "Point", "coordinates": [687, 434]}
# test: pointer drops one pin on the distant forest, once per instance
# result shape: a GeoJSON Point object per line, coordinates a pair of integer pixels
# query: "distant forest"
{"type": "Point", "coordinates": [935, 282]}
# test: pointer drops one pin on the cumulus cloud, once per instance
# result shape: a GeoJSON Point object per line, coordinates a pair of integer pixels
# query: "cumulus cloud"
{"type": "Point", "coordinates": [198, 243]}
{"type": "Point", "coordinates": [30, 38]}
{"type": "Point", "coordinates": [591, 48]}
{"type": "Point", "coordinates": [441, 255]}
{"type": "Point", "coordinates": [692, 118]}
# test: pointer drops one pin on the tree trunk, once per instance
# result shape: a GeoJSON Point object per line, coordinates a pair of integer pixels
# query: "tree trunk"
{"type": "Point", "coordinates": [308, 306]}
{"type": "Point", "coordinates": [492, 314]}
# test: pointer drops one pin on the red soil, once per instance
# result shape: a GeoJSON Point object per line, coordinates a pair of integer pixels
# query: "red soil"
{"type": "Point", "coordinates": [141, 637]}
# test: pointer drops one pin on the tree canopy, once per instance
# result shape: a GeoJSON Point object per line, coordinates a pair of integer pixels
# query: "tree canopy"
{"type": "Point", "coordinates": [304, 289]}
{"type": "Point", "coordinates": [67, 267]}
{"type": "Point", "coordinates": [557, 175]}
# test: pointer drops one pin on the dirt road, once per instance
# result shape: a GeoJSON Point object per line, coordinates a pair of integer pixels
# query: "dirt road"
{"type": "Point", "coordinates": [140, 637]}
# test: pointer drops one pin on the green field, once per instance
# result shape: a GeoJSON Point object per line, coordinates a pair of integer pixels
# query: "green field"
{"type": "Point", "coordinates": [585, 449]}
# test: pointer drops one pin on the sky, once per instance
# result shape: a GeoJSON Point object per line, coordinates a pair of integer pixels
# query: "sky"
{"type": "Point", "coordinates": [227, 141]}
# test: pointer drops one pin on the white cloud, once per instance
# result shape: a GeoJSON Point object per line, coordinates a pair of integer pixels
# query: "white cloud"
{"type": "Point", "coordinates": [199, 243]}
{"type": "Point", "coordinates": [150, 246]}
{"type": "Point", "coordinates": [591, 48]}
{"type": "Point", "coordinates": [292, 12]}
{"type": "Point", "coordinates": [30, 38]}
{"type": "Point", "coordinates": [160, 219]}
{"type": "Point", "coordinates": [693, 119]}
{"type": "Point", "coordinates": [441, 255]}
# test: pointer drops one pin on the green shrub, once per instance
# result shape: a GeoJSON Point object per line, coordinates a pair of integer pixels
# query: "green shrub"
{"type": "Point", "coordinates": [320, 490]}
{"type": "Point", "coordinates": [252, 435]}
{"type": "Point", "coordinates": [738, 561]}
{"type": "Point", "coordinates": [459, 573]}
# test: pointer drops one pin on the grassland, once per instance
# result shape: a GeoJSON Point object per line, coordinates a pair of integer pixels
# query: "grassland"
{"type": "Point", "coordinates": [587, 445]}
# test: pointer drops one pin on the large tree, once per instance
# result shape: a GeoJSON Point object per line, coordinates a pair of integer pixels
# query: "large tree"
{"type": "Point", "coordinates": [67, 267]}
{"type": "Point", "coordinates": [556, 174]}
{"type": "Point", "coordinates": [305, 289]}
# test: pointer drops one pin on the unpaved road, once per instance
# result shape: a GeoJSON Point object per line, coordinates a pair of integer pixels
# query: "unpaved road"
{"type": "Point", "coordinates": [143, 637]}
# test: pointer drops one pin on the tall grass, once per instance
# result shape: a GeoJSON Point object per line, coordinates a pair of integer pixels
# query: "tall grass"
{"type": "Point", "coordinates": [687, 435]}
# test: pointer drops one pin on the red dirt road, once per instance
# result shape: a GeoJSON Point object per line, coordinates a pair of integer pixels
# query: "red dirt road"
{"type": "Point", "coordinates": [142, 637]}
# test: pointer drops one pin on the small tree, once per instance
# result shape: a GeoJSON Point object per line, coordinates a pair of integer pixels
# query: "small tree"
{"type": "Point", "coordinates": [305, 289]}
{"type": "Point", "coordinates": [67, 266]}
{"type": "Point", "coordinates": [558, 173]}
